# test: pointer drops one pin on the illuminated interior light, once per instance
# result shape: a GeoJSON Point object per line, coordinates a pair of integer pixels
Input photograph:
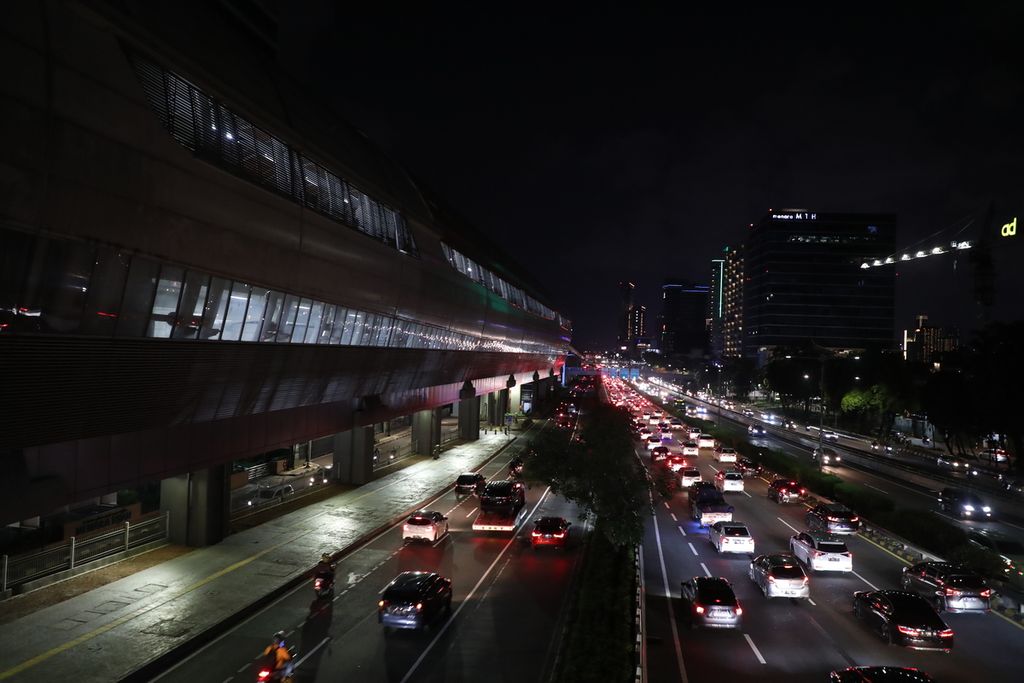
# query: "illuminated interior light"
{"type": "Point", "coordinates": [905, 257]}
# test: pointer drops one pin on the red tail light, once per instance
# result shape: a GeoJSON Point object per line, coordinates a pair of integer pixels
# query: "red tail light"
{"type": "Point", "coordinates": [419, 606]}
{"type": "Point", "coordinates": [536, 534]}
{"type": "Point", "coordinates": [263, 675]}
{"type": "Point", "coordinates": [948, 633]}
{"type": "Point", "coordinates": [699, 609]}
{"type": "Point", "coordinates": [907, 631]}
{"type": "Point", "coordinates": [560, 534]}
{"type": "Point", "coordinates": [952, 591]}
{"type": "Point", "coordinates": [771, 579]}
{"type": "Point", "coordinates": [382, 604]}
{"type": "Point", "coordinates": [987, 593]}
{"type": "Point", "coordinates": [803, 492]}
{"type": "Point", "coordinates": [854, 519]}
{"type": "Point", "coordinates": [739, 611]}
{"type": "Point", "coordinates": [806, 580]}
{"type": "Point", "coordinates": [318, 583]}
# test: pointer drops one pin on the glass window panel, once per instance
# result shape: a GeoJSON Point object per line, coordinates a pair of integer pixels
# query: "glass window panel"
{"type": "Point", "coordinates": [138, 297]}
{"type": "Point", "coordinates": [57, 281]}
{"type": "Point", "coordinates": [235, 320]}
{"type": "Point", "coordinates": [215, 309]}
{"type": "Point", "coordinates": [302, 321]}
{"type": "Point", "coordinates": [287, 324]}
{"type": "Point", "coordinates": [338, 327]}
{"type": "Point", "coordinates": [316, 312]}
{"type": "Point", "coordinates": [165, 304]}
{"type": "Point", "coordinates": [354, 322]}
{"type": "Point", "coordinates": [255, 313]}
{"type": "Point", "coordinates": [272, 316]}
{"type": "Point", "coordinates": [383, 331]}
{"type": "Point", "coordinates": [326, 326]}
{"type": "Point", "coordinates": [190, 306]}
{"type": "Point", "coordinates": [398, 335]}
{"type": "Point", "coordinates": [106, 289]}
{"type": "Point", "coordinates": [15, 256]}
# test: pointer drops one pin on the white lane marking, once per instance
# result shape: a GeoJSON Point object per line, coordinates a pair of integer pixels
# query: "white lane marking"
{"type": "Point", "coordinates": [747, 494]}
{"type": "Point", "coordinates": [471, 512]}
{"type": "Point", "coordinates": [865, 581]}
{"type": "Point", "coordinates": [707, 572]}
{"type": "Point", "coordinates": [757, 653]}
{"type": "Point", "coordinates": [306, 656]}
{"type": "Point", "coordinates": [692, 548]}
{"type": "Point", "coordinates": [812, 602]}
{"type": "Point", "coordinates": [877, 489]}
{"type": "Point", "coordinates": [673, 516]}
{"type": "Point", "coordinates": [439, 539]}
{"type": "Point", "coordinates": [681, 530]}
{"type": "Point", "coordinates": [667, 506]}
{"type": "Point", "coordinates": [791, 526]}
{"type": "Point", "coordinates": [465, 601]}
{"type": "Point", "coordinates": [671, 610]}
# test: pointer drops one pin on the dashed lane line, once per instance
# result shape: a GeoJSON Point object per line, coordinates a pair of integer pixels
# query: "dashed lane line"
{"type": "Point", "coordinates": [757, 653]}
{"type": "Point", "coordinates": [788, 524]}
{"type": "Point", "coordinates": [707, 572]}
{"type": "Point", "coordinates": [692, 548]}
{"type": "Point", "coordinates": [873, 586]}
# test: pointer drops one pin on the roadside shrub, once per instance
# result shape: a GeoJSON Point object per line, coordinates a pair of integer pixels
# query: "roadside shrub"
{"type": "Point", "coordinates": [985, 562]}
{"type": "Point", "coordinates": [868, 503]}
{"type": "Point", "coordinates": [822, 483]}
{"type": "Point", "coordinates": [926, 531]}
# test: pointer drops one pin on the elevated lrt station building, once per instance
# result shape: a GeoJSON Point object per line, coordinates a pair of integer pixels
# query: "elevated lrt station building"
{"type": "Point", "coordinates": [201, 264]}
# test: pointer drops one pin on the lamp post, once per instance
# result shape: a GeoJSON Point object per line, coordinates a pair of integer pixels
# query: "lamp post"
{"type": "Point", "coordinates": [821, 413]}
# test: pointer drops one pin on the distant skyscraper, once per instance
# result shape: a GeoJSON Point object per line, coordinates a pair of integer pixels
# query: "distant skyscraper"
{"type": "Point", "coordinates": [626, 291]}
{"type": "Point", "coordinates": [684, 307]}
{"type": "Point", "coordinates": [732, 303]}
{"type": "Point", "coordinates": [926, 344]}
{"type": "Point", "coordinates": [716, 307]}
{"type": "Point", "coordinates": [804, 281]}
{"type": "Point", "coordinates": [637, 323]}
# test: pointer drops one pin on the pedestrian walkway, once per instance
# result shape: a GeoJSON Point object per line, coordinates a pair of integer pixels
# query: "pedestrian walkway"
{"type": "Point", "coordinates": [107, 633]}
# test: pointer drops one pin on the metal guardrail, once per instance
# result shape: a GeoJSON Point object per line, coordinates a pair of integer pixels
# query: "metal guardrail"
{"type": "Point", "coordinates": [640, 620]}
{"type": "Point", "coordinates": [76, 552]}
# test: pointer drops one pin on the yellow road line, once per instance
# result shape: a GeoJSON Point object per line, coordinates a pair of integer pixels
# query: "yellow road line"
{"type": "Point", "coordinates": [884, 549]}
{"type": "Point", "coordinates": [1008, 619]}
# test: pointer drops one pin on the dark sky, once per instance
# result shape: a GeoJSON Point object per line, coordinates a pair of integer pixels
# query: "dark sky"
{"type": "Point", "coordinates": [600, 142]}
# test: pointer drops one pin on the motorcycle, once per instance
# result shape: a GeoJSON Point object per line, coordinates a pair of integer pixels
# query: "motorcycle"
{"type": "Point", "coordinates": [267, 675]}
{"type": "Point", "coordinates": [323, 586]}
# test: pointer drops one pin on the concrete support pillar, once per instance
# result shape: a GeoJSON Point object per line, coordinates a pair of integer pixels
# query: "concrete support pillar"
{"type": "Point", "coordinates": [199, 503]}
{"type": "Point", "coordinates": [426, 431]}
{"type": "Point", "coordinates": [515, 399]}
{"type": "Point", "coordinates": [468, 411]}
{"type": "Point", "coordinates": [502, 407]}
{"type": "Point", "coordinates": [353, 456]}
{"type": "Point", "coordinates": [492, 408]}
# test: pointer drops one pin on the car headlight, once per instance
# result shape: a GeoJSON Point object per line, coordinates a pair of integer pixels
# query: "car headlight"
{"type": "Point", "coordinates": [986, 509]}
{"type": "Point", "coordinates": [968, 508]}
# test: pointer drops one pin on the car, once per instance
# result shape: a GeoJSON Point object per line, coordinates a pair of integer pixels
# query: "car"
{"type": "Point", "coordinates": [688, 477]}
{"type": "Point", "coordinates": [949, 587]}
{"type": "Point", "coordinates": [470, 482]}
{"type": "Point", "coordinates": [694, 488]}
{"type": "Point", "coordinates": [414, 599]}
{"type": "Point", "coordinates": [659, 453]}
{"type": "Point", "coordinates": [826, 456]}
{"type": "Point", "coordinates": [786, 491]}
{"type": "Point", "coordinates": [963, 504]}
{"type": "Point", "coordinates": [550, 531]}
{"type": "Point", "coordinates": [879, 674]}
{"type": "Point", "coordinates": [1014, 486]}
{"type": "Point", "coordinates": [731, 537]}
{"type": "Point", "coordinates": [653, 441]}
{"type": "Point", "coordinates": [726, 454]}
{"type": "Point", "coordinates": [833, 518]}
{"type": "Point", "coordinates": [502, 495]}
{"type": "Point", "coordinates": [275, 494]}
{"type": "Point", "coordinates": [756, 430]}
{"type": "Point", "coordinates": [748, 412]}
{"type": "Point", "coordinates": [1011, 550]}
{"type": "Point", "coordinates": [748, 468]}
{"type": "Point", "coordinates": [676, 462]}
{"type": "Point", "coordinates": [705, 441]}
{"type": "Point", "coordinates": [711, 602]}
{"type": "Point", "coordinates": [644, 433]}
{"type": "Point", "coordinates": [693, 434]}
{"type": "Point", "coordinates": [821, 552]}
{"type": "Point", "coordinates": [424, 525]}
{"type": "Point", "coordinates": [729, 481]}
{"type": "Point", "coordinates": [885, 448]}
{"type": "Point", "coordinates": [691, 449]}
{"type": "Point", "coordinates": [779, 575]}
{"type": "Point", "coordinates": [994, 455]}
{"type": "Point", "coordinates": [829, 436]}
{"type": "Point", "coordinates": [677, 423]}
{"type": "Point", "coordinates": [789, 424]}
{"type": "Point", "coordinates": [903, 618]}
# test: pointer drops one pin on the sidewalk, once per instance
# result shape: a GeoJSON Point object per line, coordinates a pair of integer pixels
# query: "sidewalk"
{"type": "Point", "coordinates": [109, 632]}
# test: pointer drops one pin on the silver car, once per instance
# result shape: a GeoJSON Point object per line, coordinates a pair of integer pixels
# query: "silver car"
{"type": "Point", "coordinates": [711, 602]}
{"type": "Point", "coordinates": [779, 575]}
{"type": "Point", "coordinates": [949, 587]}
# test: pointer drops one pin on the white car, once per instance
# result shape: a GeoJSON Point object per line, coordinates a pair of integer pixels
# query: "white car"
{"type": "Point", "coordinates": [694, 434]}
{"type": "Point", "coordinates": [821, 552]}
{"type": "Point", "coordinates": [705, 441]}
{"type": "Point", "coordinates": [690, 476]}
{"type": "Point", "coordinates": [729, 481]}
{"type": "Point", "coordinates": [830, 436]}
{"type": "Point", "coordinates": [731, 537]}
{"type": "Point", "coordinates": [653, 441]}
{"type": "Point", "coordinates": [690, 449]}
{"type": "Point", "coordinates": [424, 525]}
{"type": "Point", "coordinates": [725, 454]}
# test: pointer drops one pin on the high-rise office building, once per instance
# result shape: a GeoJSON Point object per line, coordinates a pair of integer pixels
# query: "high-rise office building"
{"type": "Point", "coordinates": [732, 303]}
{"type": "Point", "coordinates": [626, 292]}
{"type": "Point", "coordinates": [926, 344]}
{"type": "Point", "coordinates": [716, 308]}
{"type": "Point", "coordinates": [804, 281]}
{"type": "Point", "coordinates": [684, 307]}
{"type": "Point", "coordinates": [637, 323]}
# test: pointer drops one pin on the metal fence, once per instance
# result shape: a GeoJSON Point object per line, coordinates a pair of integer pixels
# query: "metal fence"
{"type": "Point", "coordinates": [78, 552]}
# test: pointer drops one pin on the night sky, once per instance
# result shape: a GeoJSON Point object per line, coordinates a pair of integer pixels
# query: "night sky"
{"type": "Point", "coordinates": [601, 142]}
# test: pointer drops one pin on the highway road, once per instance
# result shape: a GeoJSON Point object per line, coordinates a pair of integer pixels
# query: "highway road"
{"type": "Point", "coordinates": [784, 639]}
{"type": "Point", "coordinates": [507, 614]}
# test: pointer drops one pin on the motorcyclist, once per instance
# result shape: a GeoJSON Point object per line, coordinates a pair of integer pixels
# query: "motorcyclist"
{"type": "Point", "coordinates": [324, 568]}
{"type": "Point", "coordinates": [515, 467]}
{"type": "Point", "coordinates": [282, 657]}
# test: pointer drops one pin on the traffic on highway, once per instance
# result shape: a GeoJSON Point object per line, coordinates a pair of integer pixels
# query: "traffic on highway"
{"type": "Point", "coordinates": [780, 588]}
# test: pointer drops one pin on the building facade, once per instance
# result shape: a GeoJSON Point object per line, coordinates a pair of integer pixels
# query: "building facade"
{"type": "Point", "coordinates": [732, 303]}
{"type": "Point", "coordinates": [716, 309]}
{"type": "Point", "coordinates": [684, 318]}
{"type": "Point", "coordinates": [927, 344]}
{"type": "Point", "coordinates": [804, 282]}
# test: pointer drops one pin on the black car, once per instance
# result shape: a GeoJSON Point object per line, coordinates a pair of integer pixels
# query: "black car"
{"type": "Point", "coordinates": [695, 488]}
{"type": "Point", "coordinates": [414, 599]}
{"type": "Point", "coordinates": [903, 618]}
{"type": "Point", "coordinates": [963, 504]}
{"type": "Point", "coordinates": [755, 430]}
{"type": "Point", "coordinates": [502, 495]}
{"type": "Point", "coordinates": [786, 490]}
{"type": "Point", "coordinates": [879, 674]}
{"type": "Point", "coordinates": [711, 602]}
{"type": "Point", "coordinates": [835, 518]}
{"type": "Point", "coordinates": [470, 482]}
{"type": "Point", "coordinates": [950, 587]}
{"type": "Point", "coordinates": [747, 467]}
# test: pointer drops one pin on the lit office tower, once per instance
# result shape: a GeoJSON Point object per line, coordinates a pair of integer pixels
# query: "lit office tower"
{"type": "Point", "coordinates": [716, 308]}
{"type": "Point", "coordinates": [684, 322]}
{"type": "Point", "coordinates": [626, 291]}
{"type": "Point", "coordinates": [732, 303]}
{"type": "Point", "coordinates": [804, 282]}
{"type": "Point", "coordinates": [637, 323]}
{"type": "Point", "coordinates": [926, 344]}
